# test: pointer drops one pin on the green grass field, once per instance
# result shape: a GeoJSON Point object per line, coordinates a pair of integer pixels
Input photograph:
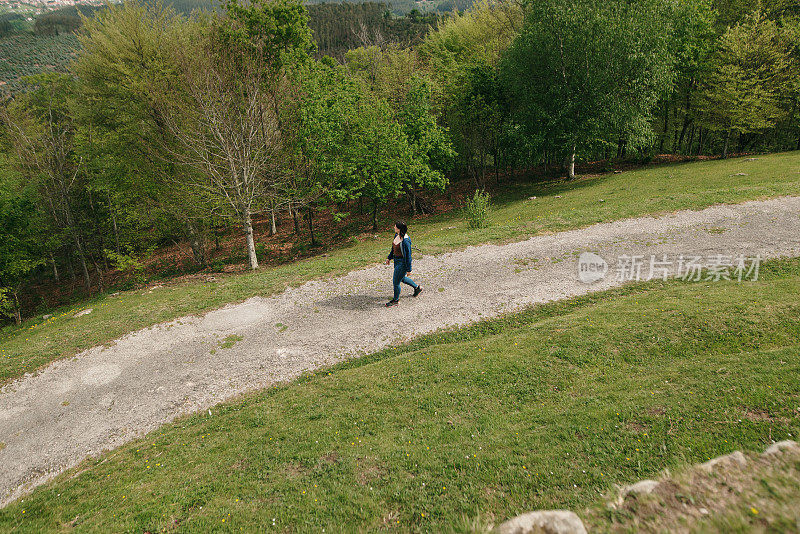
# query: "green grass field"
{"type": "Point", "coordinates": [559, 206]}
{"type": "Point", "coordinates": [547, 409]}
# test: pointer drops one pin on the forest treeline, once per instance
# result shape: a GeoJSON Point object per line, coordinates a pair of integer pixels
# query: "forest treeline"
{"type": "Point", "coordinates": [168, 126]}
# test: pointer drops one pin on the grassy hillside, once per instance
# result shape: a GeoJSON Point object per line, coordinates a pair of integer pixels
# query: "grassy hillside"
{"type": "Point", "coordinates": [543, 409]}
{"type": "Point", "coordinates": [559, 206]}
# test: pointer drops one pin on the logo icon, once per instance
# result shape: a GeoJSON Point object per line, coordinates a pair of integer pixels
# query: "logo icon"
{"type": "Point", "coordinates": [591, 267]}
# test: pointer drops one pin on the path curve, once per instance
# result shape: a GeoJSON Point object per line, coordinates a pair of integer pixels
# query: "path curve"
{"type": "Point", "coordinates": [107, 396]}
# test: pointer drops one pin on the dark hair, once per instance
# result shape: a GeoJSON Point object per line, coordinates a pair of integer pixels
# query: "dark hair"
{"type": "Point", "coordinates": [402, 227]}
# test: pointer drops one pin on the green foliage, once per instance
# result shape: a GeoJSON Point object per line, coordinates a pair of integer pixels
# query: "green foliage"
{"type": "Point", "coordinates": [393, 76]}
{"type": "Point", "coordinates": [273, 32]}
{"type": "Point", "coordinates": [63, 20]}
{"type": "Point", "coordinates": [732, 12]}
{"type": "Point", "coordinates": [7, 304]}
{"type": "Point", "coordinates": [340, 27]}
{"type": "Point", "coordinates": [587, 73]}
{"type": "Point", "coordinates": [21, 246]}
{"type": "Point", "coordinates": [429, 141]}
{"type": "Point", "coordinates": [753, 72]}
{"type": "Point", "coordinates": [128, 264]}
{"type": "Point", "coordinates": [476, 209]}
{"type": "Point", "coordinates": [127, 52]}
{"type": "Point", "coordinates": [326, 141]}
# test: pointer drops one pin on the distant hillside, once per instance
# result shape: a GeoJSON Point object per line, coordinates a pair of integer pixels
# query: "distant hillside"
{"type": "Point", "coordinates": [48, 43]}
{"type": "Point", "coordinates": [339, 27]}
{"type": "Point", "coordinates": [24, 54]}
{"type": "Point", "coordinates": [403, 7]}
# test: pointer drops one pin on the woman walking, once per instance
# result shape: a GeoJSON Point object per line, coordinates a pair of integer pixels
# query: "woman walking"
{"type": "Point", "coordinates": [401, 254]}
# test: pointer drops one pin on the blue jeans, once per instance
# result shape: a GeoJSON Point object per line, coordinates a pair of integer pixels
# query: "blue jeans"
{"type": "Point", "coordinates": [400, 276]}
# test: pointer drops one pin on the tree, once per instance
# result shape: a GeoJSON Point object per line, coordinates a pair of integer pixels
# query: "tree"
{"type": "Point", "coordinates": [21, 248]}
{"type": "Point", "coordinates": [752, 77]}
{"type": "Point", "coordinates": [323, 166]}
{"type": "Point", "coordinates": [691, 45]}
{"type": "Point", "coordinates": [41, 132]}
{"type": "Point", "coordinates": [461, 56]}
{"type": "Point", "coordinates": [224, 116]}
{"type": "Point", "coordinates": [428, 142]}
{"type": "Point", "coordinates": [120, 134]}
{"type": "Point", "coordinates": [394, 76]}
{"type": "Point", "coordinates": [586, 73]}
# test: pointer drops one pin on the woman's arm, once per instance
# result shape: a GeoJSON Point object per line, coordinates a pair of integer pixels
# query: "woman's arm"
{"type": "Point", "coordinates": [407, 254]}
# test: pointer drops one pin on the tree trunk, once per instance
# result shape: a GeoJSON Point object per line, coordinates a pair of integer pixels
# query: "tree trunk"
{"type": "Point", "coordinates": [413, 196]}
{"type": "Point", "coordinates": [17, 311]}
{"type": "Point", "coordinates": [310, 216]}
{"type": "Point", "coordinates": [666, 127]}
{"type": "Point", "coordinates": [727, 140]}
{"type": "Point", "coordinates": [82, 256]}
{"type": "Point", "coordinates": [701, 141]}
{"type": "Point", "coordinates": [100, 285]}
{"type": "Point", "coordinates": [71, 267]}
{"type": "Point", "coordinates": [496, 163]}
{"type": "Point", "coordinates": [114, 221]}
{"type": "Point", "coordinates": [247, 226]}
{"type": "Point", "coordinates": [374, 216]}
{"type": "Point", "coordinates": [55, 268]}
{"type": "Point", "coordinates": [571, 164]}
{"type": "Point", "coordinates": [294, 217]}
{"type": "Point", "coordinates": [686, 124]}
{"type": "Point", "coordinates": [273, 229]}
{"type": "Point", "coordinates": [197, 243]}
{"type": "Point", "coordinates": [73, 227]}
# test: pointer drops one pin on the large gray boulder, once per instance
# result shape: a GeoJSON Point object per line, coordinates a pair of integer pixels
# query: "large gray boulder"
{"type": "Point", "coordinates": [543, 522]}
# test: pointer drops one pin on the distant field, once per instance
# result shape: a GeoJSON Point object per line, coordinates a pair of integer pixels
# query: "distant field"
{"type": "Point", "coordinates": [538, 410]}
{"type": "Point", "coordinates": [559, 206]}
{"type": "Point", "coordinates": [25, 54]}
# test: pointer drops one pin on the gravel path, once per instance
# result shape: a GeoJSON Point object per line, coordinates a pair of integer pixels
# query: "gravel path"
{"type": "Point", "coordinates": [107, 396]}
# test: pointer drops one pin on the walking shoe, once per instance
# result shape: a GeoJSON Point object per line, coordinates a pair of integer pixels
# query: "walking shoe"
{"type": "Point", "coordinates": [417, 290]}
{"type": "Point", "coordinates": [392, 303]}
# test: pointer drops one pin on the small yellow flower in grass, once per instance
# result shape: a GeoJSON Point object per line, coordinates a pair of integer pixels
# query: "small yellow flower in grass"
{"type": "Point", "coordinates": [753, 511]}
